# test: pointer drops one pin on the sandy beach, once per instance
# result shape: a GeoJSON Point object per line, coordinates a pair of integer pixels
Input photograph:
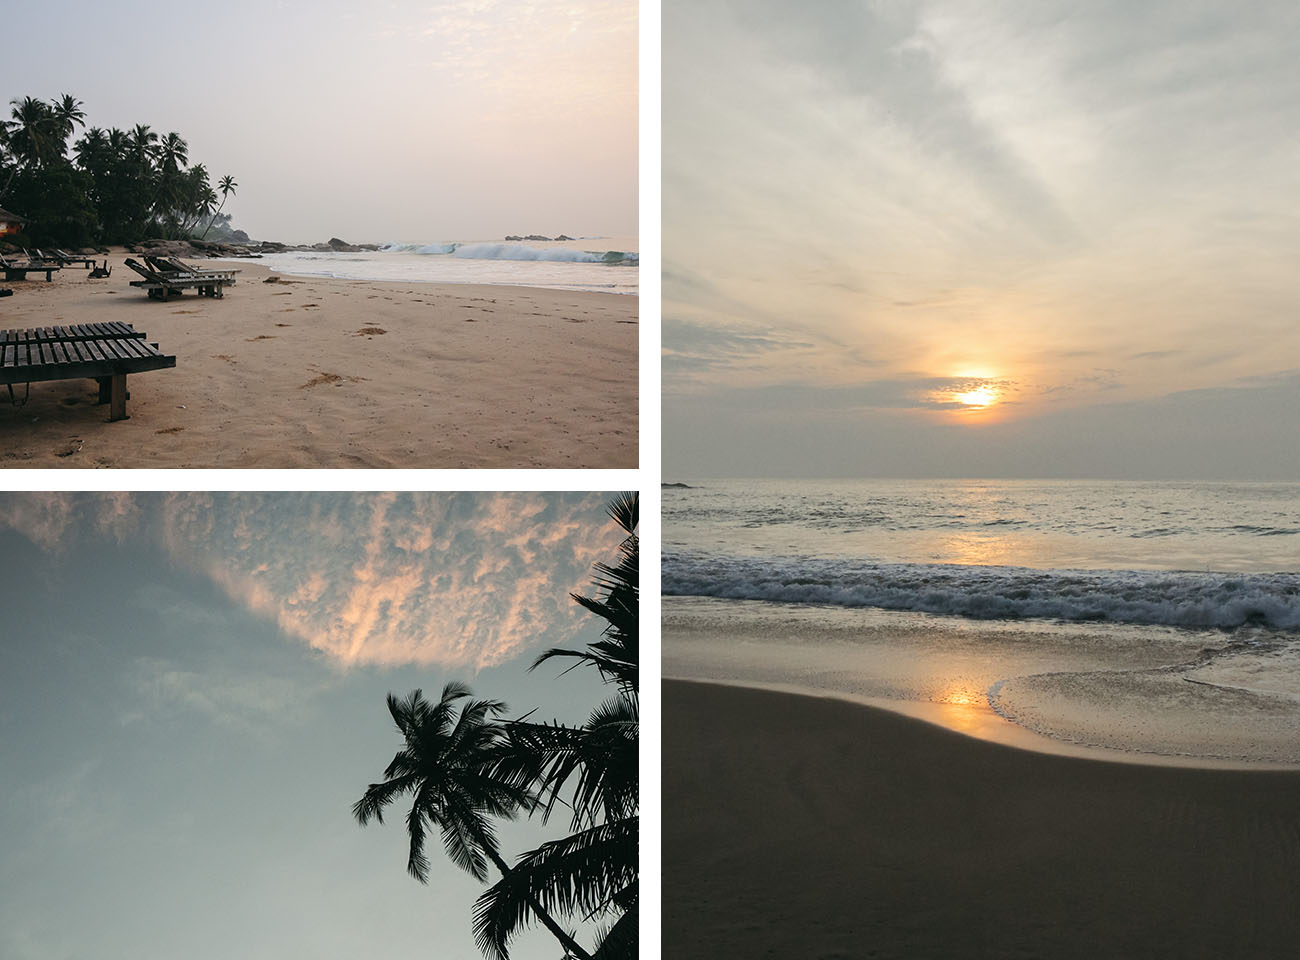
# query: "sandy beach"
{"type": "Point", "coordinates": [805, 827]}
{"type": "Point", "coordinates": [308, 372]}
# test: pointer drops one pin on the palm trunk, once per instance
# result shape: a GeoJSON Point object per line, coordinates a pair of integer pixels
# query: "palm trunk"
{"type": "Point", "coordinates": [566, 941]}
{"type": "Point", "coordinates": [213, 220]}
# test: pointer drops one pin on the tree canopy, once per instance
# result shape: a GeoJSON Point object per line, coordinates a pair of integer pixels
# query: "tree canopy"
{"type": "Point", "coordinates": [106, 186]}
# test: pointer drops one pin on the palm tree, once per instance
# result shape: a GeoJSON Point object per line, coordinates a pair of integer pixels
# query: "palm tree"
{"type": "Point", "coordinates": [446, 764]}
{"type": "Point", "coordinates": [142, 143]}
{"type": "Point", "coordinates": [593, 770]}
{"type": "Point", "coordinates": [30, 137]}
{"type": "Point", "coordinates": [227, 186]}
{"type": "Point", "coordinates": [172, 153]}
{"type": "Point", "coordinates": [68, 115]}
{"type": "Point", "coordinates": [33, 131]}
{"type": "Point", "coordinates": [616, 655]}
{"type": "Point", "coordinates": [91, 149]}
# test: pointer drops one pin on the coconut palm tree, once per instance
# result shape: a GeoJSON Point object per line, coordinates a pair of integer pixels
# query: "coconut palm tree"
{"type": "Point", "coordinates": [68, 115]}
{"type": "Point", "coordinates": [172, 153]}
{"type": "Point", "coordinates": [227, 186]}
{"type": "Point", "coordinates": [446, 765]}
{"type": "Point", "coordinates": [592, 769]}
{"type": "Point", "coordinates": [143, 143]}
{"type": "Point", "coordinates": [33, 132]}
{"type": "Point", "coordinates": [616, 654]}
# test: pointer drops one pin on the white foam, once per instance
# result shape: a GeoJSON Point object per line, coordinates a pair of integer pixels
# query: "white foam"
{"type": "Point", "coordinates": [1198, 600]}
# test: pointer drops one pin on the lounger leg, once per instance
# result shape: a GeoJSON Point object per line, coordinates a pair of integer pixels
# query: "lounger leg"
{"type": "Point", "coordinates": [117, 406]}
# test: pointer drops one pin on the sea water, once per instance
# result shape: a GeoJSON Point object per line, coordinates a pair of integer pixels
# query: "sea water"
{"type": "Point", "coordinates": [602, 264]}
{"type": "Point", "coordinates": [1156, 618]}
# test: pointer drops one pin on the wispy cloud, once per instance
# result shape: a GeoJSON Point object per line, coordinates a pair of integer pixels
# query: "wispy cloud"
{"type": "Point", "coordinates": [1082, 199]}
{"type": "Point", "coordinates": [460, 580]}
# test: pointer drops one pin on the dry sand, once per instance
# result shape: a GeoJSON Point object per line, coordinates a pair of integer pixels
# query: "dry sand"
{"type": "Point", "coordinates": [339, 373]}
{"type": "Point", "coordinates": [814, 828]}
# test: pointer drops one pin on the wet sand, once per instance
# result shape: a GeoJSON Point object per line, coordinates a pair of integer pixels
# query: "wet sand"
{"type": "Point", "coordinates": [309, 372]}
{"type": "Point", "coordinates": [803, 827]}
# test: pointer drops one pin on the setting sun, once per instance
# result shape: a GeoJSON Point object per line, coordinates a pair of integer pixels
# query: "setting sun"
{"type": "Point", "coordinates": [981, 397]}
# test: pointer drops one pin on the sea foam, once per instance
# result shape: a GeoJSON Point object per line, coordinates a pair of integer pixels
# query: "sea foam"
{"type": "Point", "coordinates": [1198, 600]}
{"type": "Point", "coordinates": [515, 251]}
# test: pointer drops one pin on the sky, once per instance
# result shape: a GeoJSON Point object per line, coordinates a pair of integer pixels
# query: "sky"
{"type": "Point", "coordinates": [390, 121]}
{"type": "Point", "coordinates": [1004, 239]}
{"type": "Point", "coordinates": [192, 697]}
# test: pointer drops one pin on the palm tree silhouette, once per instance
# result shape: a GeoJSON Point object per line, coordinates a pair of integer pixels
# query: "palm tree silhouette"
{"type": "Point", "coordinates": [446, 764]}
{"type": "Point", "coordinates": [68, 115]}
{"type": "Point", "coordinates": [227, 186]}
{"type": "Point", "coordinates": [592, 769]}
{"type": "Point", "coordinates": [33, 132]}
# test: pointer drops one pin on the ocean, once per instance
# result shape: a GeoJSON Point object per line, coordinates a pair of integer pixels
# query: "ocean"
{"type": "Point", "coordinates": [1158, 619]}
{"type": "Point", "coordinates": [602, 264]}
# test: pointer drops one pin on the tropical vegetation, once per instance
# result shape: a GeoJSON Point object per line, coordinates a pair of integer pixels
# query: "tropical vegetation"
{"type": "Point", "coordinates": [106, 186]}
{"type": "Point", "coordinates": [464, 770]}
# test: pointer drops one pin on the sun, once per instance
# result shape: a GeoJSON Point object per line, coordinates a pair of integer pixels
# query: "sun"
{"type": "Point", "coordinates": [979, 397]}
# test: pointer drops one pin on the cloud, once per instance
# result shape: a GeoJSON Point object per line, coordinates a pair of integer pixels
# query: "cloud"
{"type": "Point", "coordinates": [1243, 432]}
{"type": "Point", "coordinates": [829, 402]}
{"type": "Point", "coordinates": [459, 580]}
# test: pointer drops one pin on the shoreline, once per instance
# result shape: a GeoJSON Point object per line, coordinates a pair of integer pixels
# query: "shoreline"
{"type": "Point", "coordinates": [1133, 694]}
{"type": "Point", "coordinates": [980, 722]}
{"type": "Point", "coordinates": [801, 826]}
{"type": "Point", "coordinates": [309, 372]}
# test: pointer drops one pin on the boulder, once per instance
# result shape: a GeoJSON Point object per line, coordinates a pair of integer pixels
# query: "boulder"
{"type": "Point", "coordinates": [342, 246]}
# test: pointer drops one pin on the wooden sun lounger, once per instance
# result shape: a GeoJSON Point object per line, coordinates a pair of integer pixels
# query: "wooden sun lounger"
{"type": "Point", "coordinates": [172, 265]}
{"type": "Point", "coordinates": [18, 269]}
{"type": "Point", "coordinates": [162, 279]}
{"type": "Point", "coordinates": [65, 259]}
{"type": "Point", "coordinates": [105, 352]}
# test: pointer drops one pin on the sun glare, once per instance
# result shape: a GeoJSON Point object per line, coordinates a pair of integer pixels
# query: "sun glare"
{"type": "Point", "coordinates": [981, 397]}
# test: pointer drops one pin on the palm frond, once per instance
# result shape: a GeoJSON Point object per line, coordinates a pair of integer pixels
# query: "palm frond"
{"type": "Point", "coordinates": [379, 795]}
{"type": "Point", "coordinates": [620, 941]}
{"type": "Point", "coordinates": [583, 872]}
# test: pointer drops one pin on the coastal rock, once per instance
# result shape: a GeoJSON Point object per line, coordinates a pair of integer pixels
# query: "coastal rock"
{"type": "Point", "coordinates": [535, 236]}
{"type": "Point", "coordinates": [514, 238]}
{"type": "Point", "coordinates": [342, 246]}
{"type": "Point", "coordinates": [563, 237]}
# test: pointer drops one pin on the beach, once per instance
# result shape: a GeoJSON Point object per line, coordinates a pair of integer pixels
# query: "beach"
{"type": "Point", "coordinates": [321, 372]}
{"type": "Point", "coordinates": [797, 826]}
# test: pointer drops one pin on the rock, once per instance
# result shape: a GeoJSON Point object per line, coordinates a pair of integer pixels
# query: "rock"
{"type": "Point", "coordinates": [534, 236]}
{"type": "Point", "coordinates": [514, 238]}
{"type": "Point", "coordinates": [563, 237]}
{"type": "Point", "coordinates": [342, 246]}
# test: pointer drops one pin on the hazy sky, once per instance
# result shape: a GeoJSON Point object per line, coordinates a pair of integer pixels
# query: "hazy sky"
{"type": "Point", "coordinates": [1084, 212]}
{"type": "Point", "coordinates": [396, 120]}
{"type": "Point", "coordinates": [192, 696]}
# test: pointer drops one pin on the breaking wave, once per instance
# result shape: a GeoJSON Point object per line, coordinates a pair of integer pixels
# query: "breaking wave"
{"type": "Point", "coordinates": [515, 251]}
{"type": "Point", "coordinates": [1195, 600]}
